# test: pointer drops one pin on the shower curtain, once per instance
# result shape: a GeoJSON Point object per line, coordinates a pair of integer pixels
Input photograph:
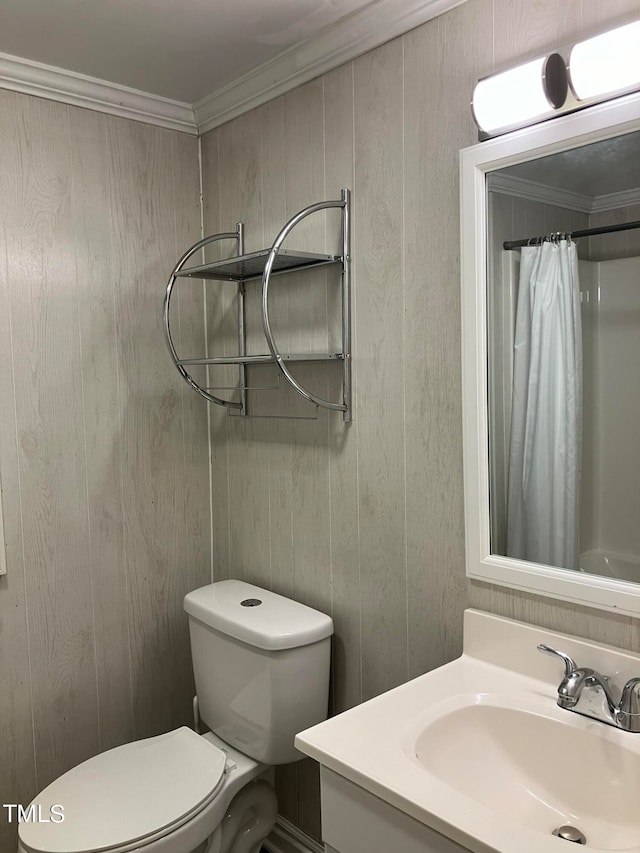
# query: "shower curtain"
{"type": "Point", "coordinates": [546, 420]}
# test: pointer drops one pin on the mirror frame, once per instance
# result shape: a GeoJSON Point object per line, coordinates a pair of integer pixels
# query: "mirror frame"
{"type": "Point", "coordinates": [592, 124]}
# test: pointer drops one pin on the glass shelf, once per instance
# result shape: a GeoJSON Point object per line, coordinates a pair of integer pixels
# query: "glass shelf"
{"type": "Point", "coordinates": [265, 359]}
{"type": "Point", "coordinates": [251, 266]}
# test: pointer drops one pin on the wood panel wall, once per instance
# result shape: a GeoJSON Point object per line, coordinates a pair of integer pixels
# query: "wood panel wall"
{"type": "Point", "coordinates": [102, 447]}
{"type": "Point", "coordinates": [366, 521]}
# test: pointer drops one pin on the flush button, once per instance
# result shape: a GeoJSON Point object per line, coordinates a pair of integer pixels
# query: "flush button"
{"type": "Point", "coordinates": [251, 602]}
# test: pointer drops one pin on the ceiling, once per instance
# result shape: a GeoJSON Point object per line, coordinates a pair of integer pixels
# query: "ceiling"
{"type": "Point", "coordinates": [609, 166]}
{"type": "Point", "coordinates": [177, 49]}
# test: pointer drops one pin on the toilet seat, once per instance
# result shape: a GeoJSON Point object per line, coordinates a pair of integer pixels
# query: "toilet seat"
{"type": "Point", "coordinates": [129, 796]}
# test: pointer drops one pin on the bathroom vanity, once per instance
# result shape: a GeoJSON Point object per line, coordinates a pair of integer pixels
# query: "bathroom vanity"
{"type": "Point", "coordinates": [476, 755]}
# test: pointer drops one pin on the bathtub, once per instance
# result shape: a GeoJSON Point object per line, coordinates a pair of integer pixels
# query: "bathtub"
{"type": "Point", "coordinates": [609, 564]}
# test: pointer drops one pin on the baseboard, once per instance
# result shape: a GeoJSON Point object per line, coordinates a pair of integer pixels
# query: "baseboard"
{"type": "Point", "coordinates": [287, 838]}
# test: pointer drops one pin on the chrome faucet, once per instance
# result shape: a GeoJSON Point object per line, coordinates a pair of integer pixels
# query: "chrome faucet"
{"type": "Point", "coordinates": [587, 692]}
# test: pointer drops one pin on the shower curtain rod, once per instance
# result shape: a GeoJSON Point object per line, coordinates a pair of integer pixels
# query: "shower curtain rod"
{"type": "Point", "coordinates": [588, 232]}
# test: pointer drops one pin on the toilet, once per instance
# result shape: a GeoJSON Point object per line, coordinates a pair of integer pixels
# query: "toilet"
{"type": "Point", "coordinates": [261, 668]}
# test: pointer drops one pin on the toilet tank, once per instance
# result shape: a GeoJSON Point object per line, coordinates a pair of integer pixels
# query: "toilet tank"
{"type": "Point", "coordinates": [261, 666]}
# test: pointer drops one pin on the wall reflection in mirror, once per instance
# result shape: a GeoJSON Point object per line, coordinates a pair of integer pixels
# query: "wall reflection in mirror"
{"type": "Point", "coordinates": [564, 360]}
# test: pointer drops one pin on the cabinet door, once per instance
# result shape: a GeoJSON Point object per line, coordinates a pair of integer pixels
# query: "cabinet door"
{"type": "Point", "coordinates": [354, 820]}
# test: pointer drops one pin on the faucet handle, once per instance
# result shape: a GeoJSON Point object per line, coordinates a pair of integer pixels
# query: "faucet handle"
{"type": "Point", "coordinates": [569, 664]}
{"type": "Point", "coordinates": [630, 699]}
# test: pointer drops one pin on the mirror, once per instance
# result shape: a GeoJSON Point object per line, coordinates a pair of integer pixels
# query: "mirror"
{"type": "Point", "coordinates": [551, 357]}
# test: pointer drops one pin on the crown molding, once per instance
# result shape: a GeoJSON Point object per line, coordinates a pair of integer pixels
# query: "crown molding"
{"type": "Point", "coordinates": [612, 201]}
{"type": "Point", "coordinates": [68, 87]}
{"type": "Point", "coordinates": [363, 30]}
{"type": "Point", "coordinates": [532, 191]}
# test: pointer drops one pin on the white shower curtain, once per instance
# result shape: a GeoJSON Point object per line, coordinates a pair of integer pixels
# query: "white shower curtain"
{"type": "Point", "coordinates": [546, 419]}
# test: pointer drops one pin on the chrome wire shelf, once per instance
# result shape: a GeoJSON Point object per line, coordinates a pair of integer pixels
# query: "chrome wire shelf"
{"type": "Point", "coordinates": [264, 265]}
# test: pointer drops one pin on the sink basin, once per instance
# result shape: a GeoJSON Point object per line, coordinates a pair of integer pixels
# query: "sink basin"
{"type": "Point", "coordinates": [532, 766]}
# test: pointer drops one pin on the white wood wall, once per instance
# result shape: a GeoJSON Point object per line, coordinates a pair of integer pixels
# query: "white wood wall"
{"type": "Point", "coordinates": [366, 522]}
{"type": "Point", "coordinates": [102, 446]}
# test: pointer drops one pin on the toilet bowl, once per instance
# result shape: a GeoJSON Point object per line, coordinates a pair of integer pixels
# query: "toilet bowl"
{"type": "Point", "coordinates": [261, 675]}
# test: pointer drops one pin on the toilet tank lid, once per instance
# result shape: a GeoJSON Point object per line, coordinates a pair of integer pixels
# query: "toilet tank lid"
{"type": "Point", "coordinates": [256, 616]}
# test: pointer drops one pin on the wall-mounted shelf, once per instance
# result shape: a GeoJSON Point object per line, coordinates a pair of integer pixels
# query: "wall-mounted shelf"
{"type": "Point", "coordinates": [263, 265]}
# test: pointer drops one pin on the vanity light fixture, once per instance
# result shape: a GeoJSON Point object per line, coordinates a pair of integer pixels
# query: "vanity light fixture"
{"type": "Point", "coordinates": [607, 64]}
{"type": "Point", "coordinates": [569, 78]}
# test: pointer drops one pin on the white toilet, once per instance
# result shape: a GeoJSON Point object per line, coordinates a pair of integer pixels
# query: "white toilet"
{"type": "Point", "coordinates": [261, 666]}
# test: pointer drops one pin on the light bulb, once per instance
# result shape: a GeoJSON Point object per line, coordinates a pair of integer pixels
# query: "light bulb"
{"type": "Point", "coordinates": [607, 63]}
{"type": "Point", "coordinates": [523, 94]}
